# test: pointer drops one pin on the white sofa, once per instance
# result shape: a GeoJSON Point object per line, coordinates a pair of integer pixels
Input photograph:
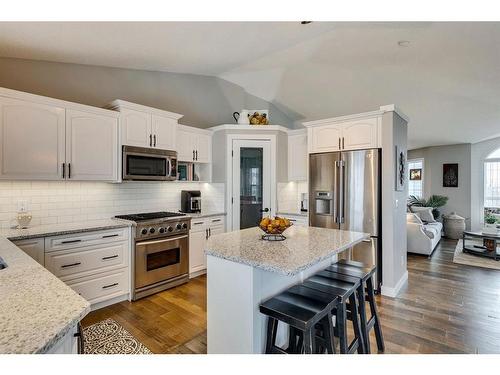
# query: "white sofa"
{"type": "Point", "coordinates": [422, 238]}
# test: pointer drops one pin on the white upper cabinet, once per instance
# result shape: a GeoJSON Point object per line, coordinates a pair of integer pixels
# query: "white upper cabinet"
{"type": "Point", "coordinates": [136, 128]}
{"type": "Point", "coordinates": [297, 157]}
{"type": "Point", "coordinates": [32, 142]}
{"type": "Point", "coordinates": [344, 134]}
{"type": "Point", "coordinates": [325, 138]}
{"type": "Point", "coordinates": [144, 126]}
{"type": "Point", "coordinates": [91, 146]}
{"type": "Point", "coordinates": [360, 134]}
{"type": "Point", "coordinates": [194, 145]}
{"type": "Point", "coordinates": [164, 132]}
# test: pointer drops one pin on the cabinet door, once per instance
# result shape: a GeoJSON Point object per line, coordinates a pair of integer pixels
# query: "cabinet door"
{"type": "Point", "coordinates": [136, 128]}
{"type": "Point", "coordinates": [197, 242]}
{"type": "Point", "coordinates": [325, 138]}
{"type": "Point", "coordinates": [203, 146]}
{"type": "Point", "coordinates": [297, 157]}
{"type": "Point", "coordinates": [32, 142]}
{"type": "Point", "coordinates": [216, 229]}
{"type": "Point", "coordinates": [91, 146]}
{"type": "Point", "coordinates": [185, 145]}
{"type": "Point", "coordinates": [164, 131]}
{"type": "Point", "coordinates": [34, 247]}
{"type": "Point", "coordinates": [360, 134]}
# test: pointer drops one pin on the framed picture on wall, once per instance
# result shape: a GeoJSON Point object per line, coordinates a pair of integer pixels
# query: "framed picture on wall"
{"type": "Point", "coordinates": [416, 174]}
{"type": "Point", "coordinates": [450, 175]}
{"type": "Point", "coordinates": [400, 169]}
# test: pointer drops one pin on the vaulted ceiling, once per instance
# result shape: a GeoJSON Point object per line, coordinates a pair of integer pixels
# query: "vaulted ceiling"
{"type": "Point", "coordinates": [447, 78]}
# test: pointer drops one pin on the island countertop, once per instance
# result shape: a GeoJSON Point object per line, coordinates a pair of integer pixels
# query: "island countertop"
{"type": "Point", "coordinates": [303, 247]}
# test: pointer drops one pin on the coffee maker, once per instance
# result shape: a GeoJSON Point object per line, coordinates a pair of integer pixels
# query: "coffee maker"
{"type": "Point", "coordinates": [191, 201]}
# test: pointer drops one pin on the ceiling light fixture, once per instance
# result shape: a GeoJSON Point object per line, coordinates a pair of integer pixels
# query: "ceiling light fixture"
{"type": "Point", "coordinates": [305, 22]}
{"type": "Point", "coordinates": [404, 43]}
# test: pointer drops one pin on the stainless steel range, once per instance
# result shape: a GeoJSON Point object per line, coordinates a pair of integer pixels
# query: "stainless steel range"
{"type": "Point", "coordinates": [161, 252]}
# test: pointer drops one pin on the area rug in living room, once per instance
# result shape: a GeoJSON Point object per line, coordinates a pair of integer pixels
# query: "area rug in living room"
{"type": "Point", "coordinates": [109, 337]}
{"type": "Point", "coordinates": [472, 260]}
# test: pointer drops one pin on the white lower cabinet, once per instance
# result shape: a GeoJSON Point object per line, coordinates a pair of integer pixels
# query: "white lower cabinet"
{"type": "Point", "coordinates": [298, 220]}
{"type": "Point", "coordinates": [201, 230]}
{"type": "Point", "coordinates": [68, 344]}
{"type": "Point", "coordinates": [34, 247]}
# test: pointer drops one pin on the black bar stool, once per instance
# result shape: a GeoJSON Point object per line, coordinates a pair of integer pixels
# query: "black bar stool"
{"type": "Point", "coordinates": [305, 310]}
{"type": "Point", "coordinates": [365, 274]}
{"type": "Point", "coordinates": [347, 308]}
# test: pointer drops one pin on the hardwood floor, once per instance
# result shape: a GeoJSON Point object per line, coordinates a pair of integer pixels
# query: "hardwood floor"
{"type": "Point", "coordinates": [446, 308]}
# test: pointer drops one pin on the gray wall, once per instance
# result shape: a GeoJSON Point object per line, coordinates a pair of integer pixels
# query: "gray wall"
{"type": "Point", "coordinates": [203, 100]}
{"type": "Point", "coordinates": [394, 242]}
{"type": "Point", "coordinates": [434, 157]}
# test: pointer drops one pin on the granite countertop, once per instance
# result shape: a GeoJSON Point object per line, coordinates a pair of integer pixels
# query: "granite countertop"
{"type": "Point", "coordinates": [206, 214]}
{"type": "Point", "coordinates": [65, 228]}
{"type": "Point", "coordinates": [304, 247]}
{"type": "Point", "coordinates": [36, 308]}
{"type": "Point", "coordinates": [295, 213]}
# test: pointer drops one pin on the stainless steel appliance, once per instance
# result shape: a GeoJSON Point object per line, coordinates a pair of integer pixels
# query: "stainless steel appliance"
{"type": "Point", "coordinates": [191, 201]}
{"type": "Point", "coordinates": [148, 164]}
{"type": "Point", "coordinates": [344, 193]}
{"type": "Point", "coordinates": [161, 251]}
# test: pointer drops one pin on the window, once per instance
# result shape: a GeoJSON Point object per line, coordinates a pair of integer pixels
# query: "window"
{"type": "Point", "coordinates": [492, 180]}
{"type": "Point", "coordinates": [416, 177]}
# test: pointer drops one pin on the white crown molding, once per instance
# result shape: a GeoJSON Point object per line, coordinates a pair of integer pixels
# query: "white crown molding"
{"type": "Point", "coordinates": [194, 129]}
{"type": "Point", "coordinates": [394, 108]}
{"type": "Point", "coordinates": [21, 95]}
{"type": "Point", "coordinates": [117, 104]}
{"type": "Point", "coordinates": [259, 128]}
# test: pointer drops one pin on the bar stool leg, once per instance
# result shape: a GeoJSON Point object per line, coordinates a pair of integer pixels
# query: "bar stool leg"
{"type": "Point", "coordinates": [374, 313]}
{"type": "Point", "coordinates": [309, 346]}
{"type": "Point", "coordinates": [355, 323]}
{"type": "Point", "coordinates": [272, 326]}
{"type": "Point", "coordinates": [362, 314]}
{"type": "Point", "coordinates": [341, 325]}
{"type": "Point", "coordinates": [329, 335]}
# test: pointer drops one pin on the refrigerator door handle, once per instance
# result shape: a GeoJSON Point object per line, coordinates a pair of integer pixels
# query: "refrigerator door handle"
{"type": "Point", "coordinates": [335, 179]}
{"type": "Point", "coordinates": [342, 191]}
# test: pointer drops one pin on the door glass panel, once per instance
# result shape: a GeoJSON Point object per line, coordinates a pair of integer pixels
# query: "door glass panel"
{"type": "Point", "coordinates": [163, 259]}
{"type": "Point", "coordinates": [146, 166]}
{"type": "Point", "coordinates": [251, 187]}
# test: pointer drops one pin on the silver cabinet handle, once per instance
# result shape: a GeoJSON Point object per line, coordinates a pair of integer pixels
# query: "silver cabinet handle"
{"type": "Point", "coordinates": [110, 257]}
{"type": "Point", "coordinates": [71, 265]}
{"type": "Point", "coordinates": [109, 286]}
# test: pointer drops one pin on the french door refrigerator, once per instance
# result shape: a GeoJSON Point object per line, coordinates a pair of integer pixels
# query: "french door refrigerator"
{"type": "Point", "coordinates": [344, 193]}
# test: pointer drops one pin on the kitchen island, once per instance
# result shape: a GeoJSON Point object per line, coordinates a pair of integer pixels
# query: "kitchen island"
{"type": "Point", "coordinates": [244, 270]}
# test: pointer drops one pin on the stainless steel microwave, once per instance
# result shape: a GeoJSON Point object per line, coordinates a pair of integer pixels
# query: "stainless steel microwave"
{"type": "Point", "coordinates": [148, 164]}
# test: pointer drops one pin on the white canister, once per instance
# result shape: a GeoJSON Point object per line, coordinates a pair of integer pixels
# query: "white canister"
{"type": "Point", "coordinates": [454, 226]}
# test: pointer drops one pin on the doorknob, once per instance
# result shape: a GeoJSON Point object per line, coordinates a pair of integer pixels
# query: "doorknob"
{"type": "Point", "coordinates": [265, 210]}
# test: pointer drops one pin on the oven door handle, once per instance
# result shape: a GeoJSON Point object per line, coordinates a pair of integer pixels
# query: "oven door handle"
{"type": "Point", "coordinates": [162, 240]}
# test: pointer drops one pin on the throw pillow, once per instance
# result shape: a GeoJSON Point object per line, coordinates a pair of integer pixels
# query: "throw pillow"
{"type": "Point", "coordinates": [425, 213]}
{"type": "Point", "coordinates": [413, 219]}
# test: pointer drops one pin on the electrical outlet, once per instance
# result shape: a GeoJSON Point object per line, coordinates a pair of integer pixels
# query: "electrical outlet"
{"type": "Point", "coordinates": [22, 205]}
{"type": "Point", "coordinates": [396, 203]}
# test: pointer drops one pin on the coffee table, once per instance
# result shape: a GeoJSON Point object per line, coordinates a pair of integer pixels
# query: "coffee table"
{"type": "Point", "coordinates": [473, 243]}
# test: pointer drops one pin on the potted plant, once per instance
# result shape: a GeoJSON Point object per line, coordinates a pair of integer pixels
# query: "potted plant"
{"type": "Point", "coordinates": [434, 201]}
{"type": "Point", "coordinates": [490, 224]}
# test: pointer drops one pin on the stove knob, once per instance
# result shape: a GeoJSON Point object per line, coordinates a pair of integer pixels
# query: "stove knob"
{"type": "Point", "coordinates": [162, 230]}
{"type": "Point", "coordinates": [184, 226]}
{"type": "Point", "coordinates": [144, 231]}
{"type": "Point", "coordinates": [170, 229]}
{"type": "Point", "coordinates": [151, 230]}
{"type": "Point", "coordinates": [178, 226]}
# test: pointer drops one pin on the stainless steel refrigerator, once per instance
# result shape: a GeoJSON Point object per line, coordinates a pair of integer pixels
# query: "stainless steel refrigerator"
{"type": "Point", "coordinates": [344, 193]}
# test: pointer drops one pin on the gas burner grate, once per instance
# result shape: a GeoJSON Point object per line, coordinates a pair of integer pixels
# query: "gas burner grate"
{"type": "Point", "coordinates": [150, 216]}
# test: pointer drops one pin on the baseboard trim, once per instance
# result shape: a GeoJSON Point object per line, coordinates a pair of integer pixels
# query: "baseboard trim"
{"type": "Point", "coordinates": [393, 292]}
{"type": "Point", "coordinates": [112, 301]}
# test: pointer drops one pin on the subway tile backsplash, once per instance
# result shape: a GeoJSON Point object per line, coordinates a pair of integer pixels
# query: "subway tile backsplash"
{"type": "Point", "coordinates": [289, 195]}
{"type": "Point", "coordinates": [70, 201]}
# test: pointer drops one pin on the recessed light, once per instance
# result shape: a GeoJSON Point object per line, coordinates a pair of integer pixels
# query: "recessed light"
{"type": "Point", "coordinates": [305, 22]}
{"type": "Point", "coordinates": [404, 43]}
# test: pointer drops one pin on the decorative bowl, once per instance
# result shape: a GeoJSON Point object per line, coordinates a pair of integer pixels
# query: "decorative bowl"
{"type": "Point", "coordinates": [274, 228]}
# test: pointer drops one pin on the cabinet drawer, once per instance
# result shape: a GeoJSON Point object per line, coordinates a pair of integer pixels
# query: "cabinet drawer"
{"type": "Point", "coordinates": [102, 287]}
{"type": "Point", "coordinates": [69, 264]}
{"type": "Point", "coordinates": [217, 220]}
{"type": "Point", "coordinates": [85, 239]}
{"type": "Point", "coordinates": [198, 224]}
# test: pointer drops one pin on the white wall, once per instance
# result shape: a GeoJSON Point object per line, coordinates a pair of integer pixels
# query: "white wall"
{"type": "Point", "coordinates": [394, 273]}
{"type": "Point", "coordinates": [479, 152]}
{"type": "Point", "coordinates": [70, 201]}
{"type": "Point", "coordinates": [434, 157]}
